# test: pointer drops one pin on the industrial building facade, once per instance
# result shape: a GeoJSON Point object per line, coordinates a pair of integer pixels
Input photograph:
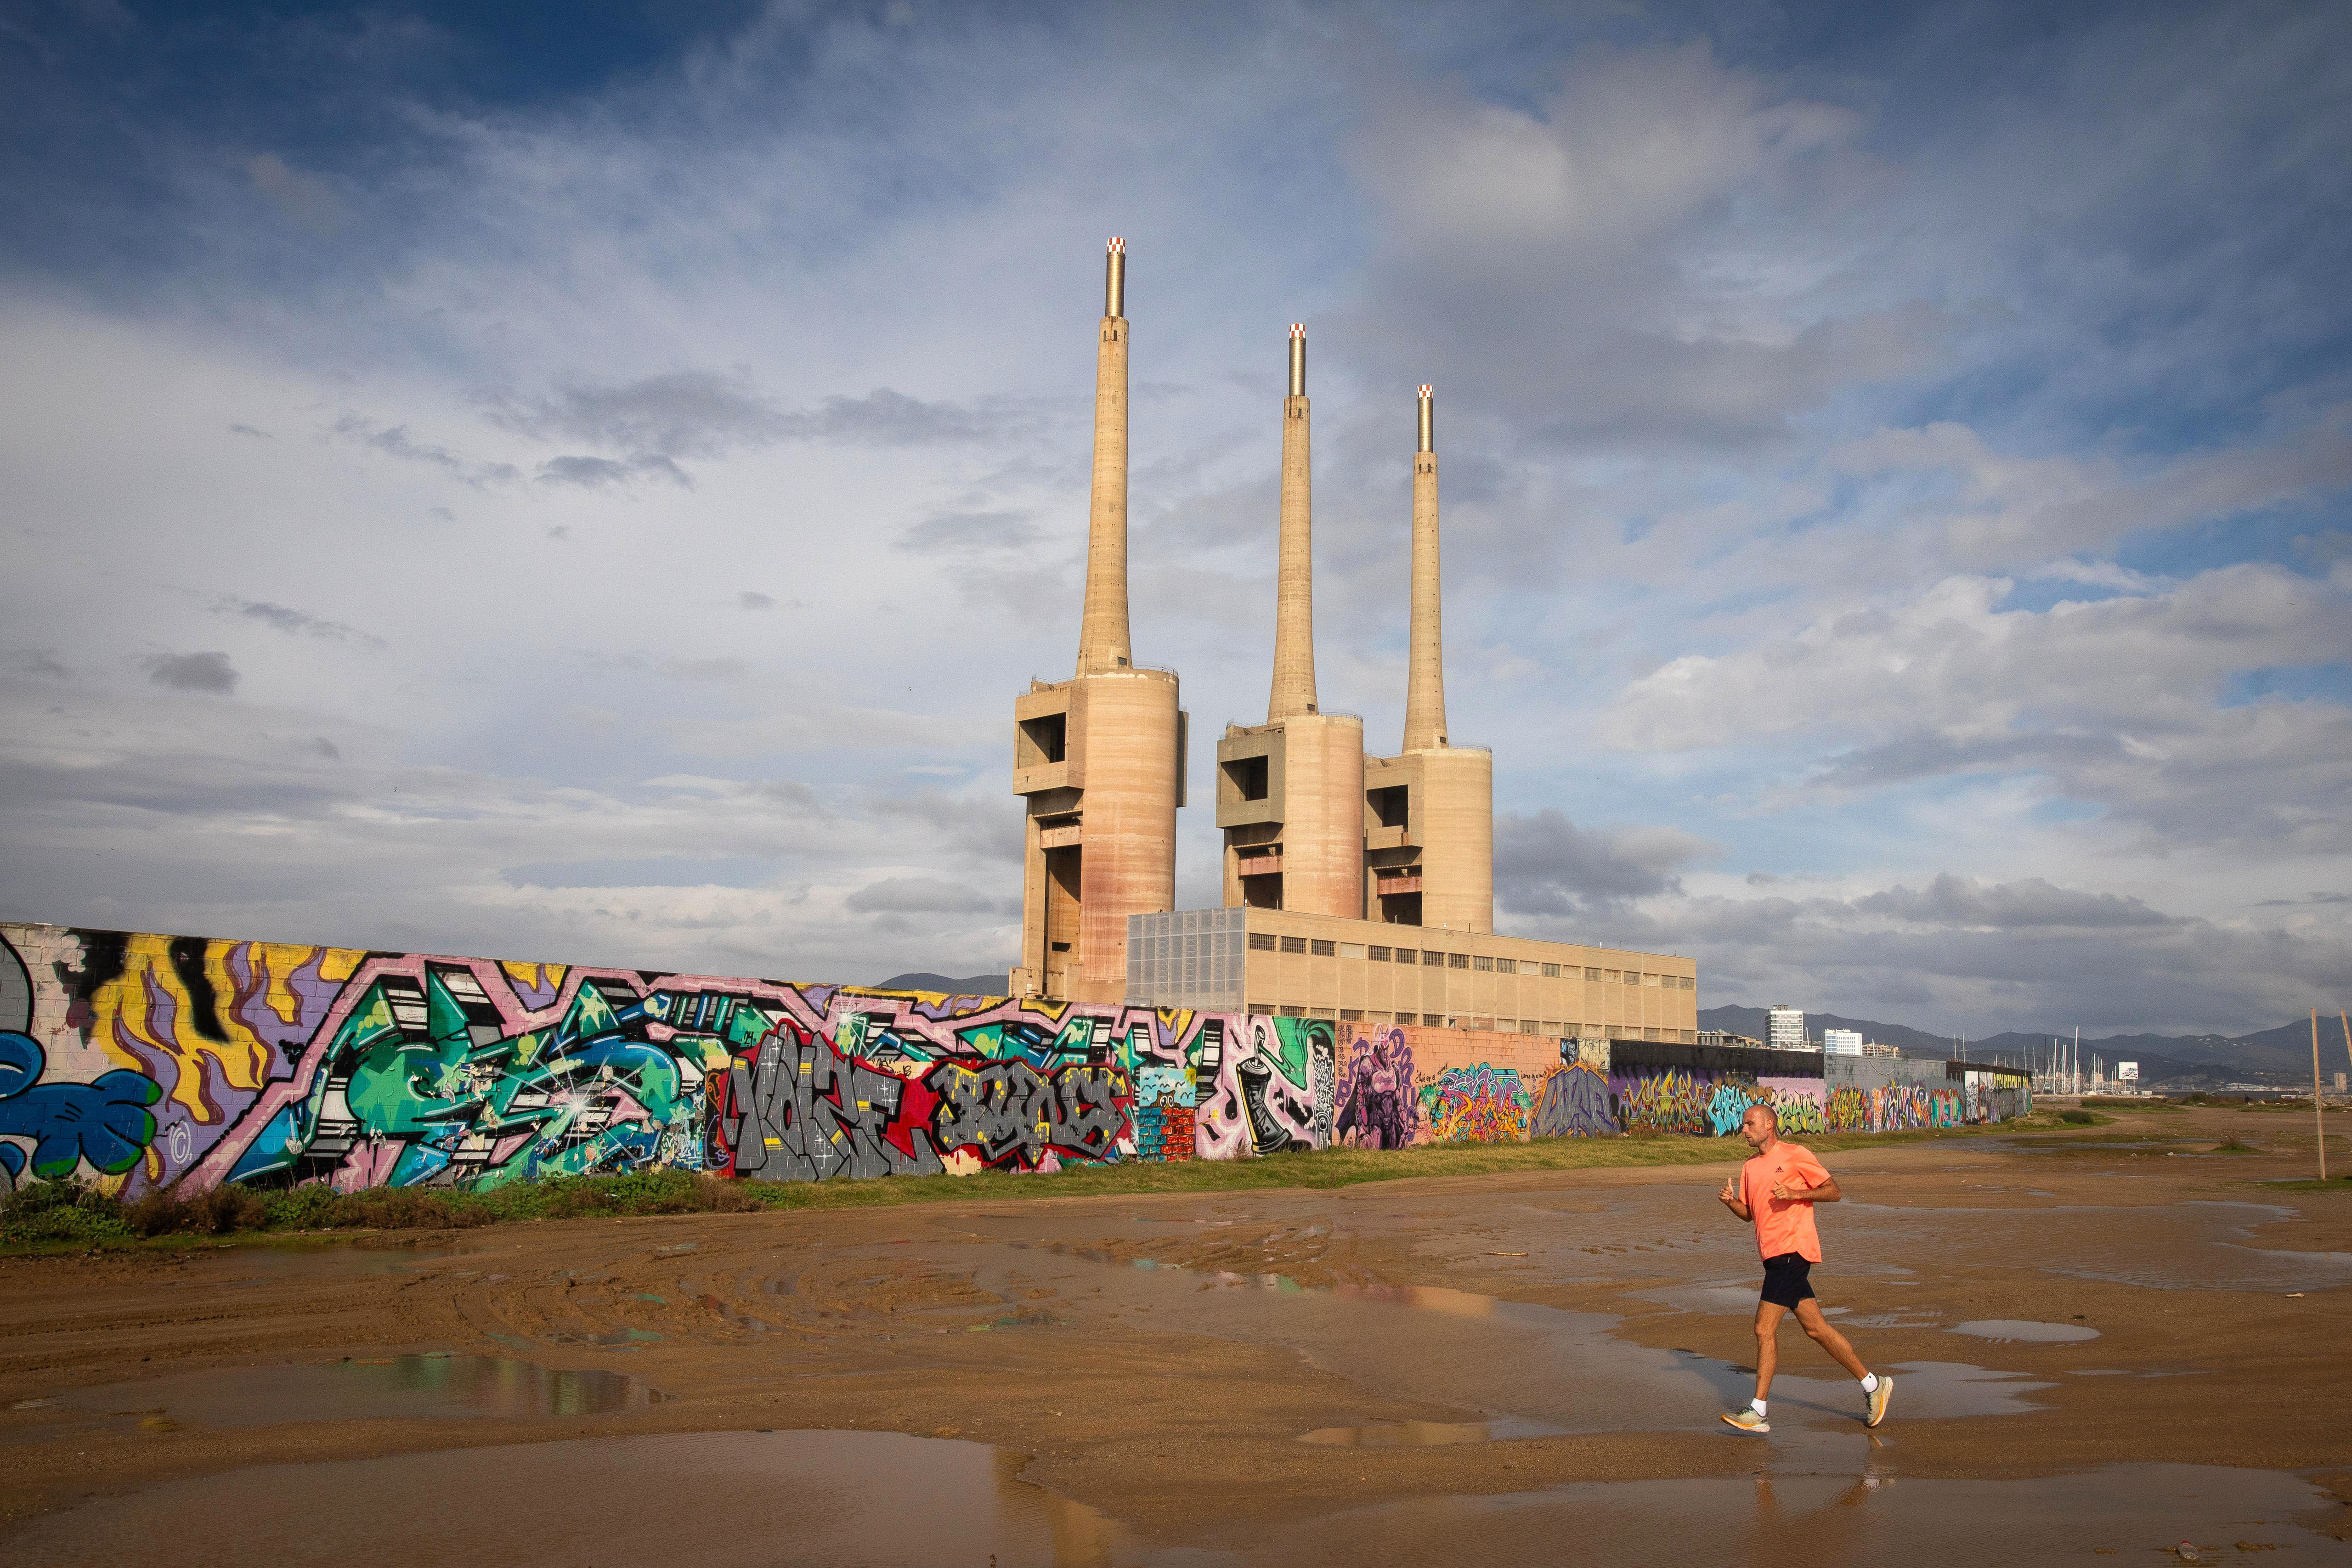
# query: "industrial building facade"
{"type": "Point", "coordinates": [1272, 961]}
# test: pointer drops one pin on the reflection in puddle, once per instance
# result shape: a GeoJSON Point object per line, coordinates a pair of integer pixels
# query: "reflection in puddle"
{"type": "Point", "coordinates": [1428, 1434]}
{"type": "Point", "coordinates": [698, 1500]}
{"type": "Point", "coordinates": [752, 1500]}
{"type": "Point", "coordinates": [2025, 1331]}
{"type": "Point", "coordinates": [398, 1385]}
{"type": "Point", "coordinates": [1586, 1379]}
{"type": "Point", "coordinates": [2126, 1511]}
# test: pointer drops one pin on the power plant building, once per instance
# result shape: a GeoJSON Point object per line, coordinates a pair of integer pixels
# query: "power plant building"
{"type": "Point", "coordinates": [1287, 965]}
{"type": "Point", "coordinates": [1359, 889]}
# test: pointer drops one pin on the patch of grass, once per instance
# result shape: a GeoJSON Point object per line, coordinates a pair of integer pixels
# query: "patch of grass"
{"type": "Point", "coordinates": [2234, 1145]}
{"type": "Point", "coordinates": [52, 1216]}
{"type": "Point", "coordinates": [2078, 1118]}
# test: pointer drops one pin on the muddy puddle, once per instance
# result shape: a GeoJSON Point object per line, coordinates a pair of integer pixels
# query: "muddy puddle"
{"type": "Point", "coordinates": [702, 1500]}
{"type": "Point", "coordinates": [880, 1500]}
{"type": "Point", "coordinates": [1426, 1434]}
{"type": "Point", "coordinates": [2020, 1331]}
{"type": "Point", "coordinates": [2130, 1512]}
{"type": "Point", "coordinates": [367, 1388]}
{"type": "Point", "coordinates": [1486, 1357]}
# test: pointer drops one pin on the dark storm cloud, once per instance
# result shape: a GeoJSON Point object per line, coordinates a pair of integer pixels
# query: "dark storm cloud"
{"type": "Point", "coordinates": [208, 672]}
{"type": "Point", "coordinates": [922, 896]}
{"type": "Point", "coordinates": [887, 418]}
{"type": "Point", "coordinates": [1989, 957]}
{"type": "Point", "coordinates": [991, 828]}
{"type": "Point", "coordinates": [683, 413]}
{"type": "Point", "coordinates": [1923, 754]}
{"type": "Point", "coordinates": [604, 472]}
{"type": "Point", "coordinates": [394, 440]}
{"type": "Point", "coordinates": [306, 199]}
{"type": "Point", "coordinates": [971, 531]}
{"type": "Point", "coordinates": [703, 413]}
{"type": "Point", "coordinates": [294, 623]}
{"type": "Point", "coordinates": [1546, 864]}
{"type": "Point", "coordinates": [2029, 904]}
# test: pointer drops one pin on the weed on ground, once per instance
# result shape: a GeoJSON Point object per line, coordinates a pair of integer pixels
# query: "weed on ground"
{"type": "Point", "coordinates": [56, 1215]}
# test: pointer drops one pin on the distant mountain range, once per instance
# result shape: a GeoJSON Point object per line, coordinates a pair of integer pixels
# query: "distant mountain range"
{"type": "Point", "coordinates": [992, 985]}
{"type": "Point", "coordinates": [2281, 1054]}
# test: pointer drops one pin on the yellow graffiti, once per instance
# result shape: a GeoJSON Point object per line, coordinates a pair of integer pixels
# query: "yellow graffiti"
{"type": "Point", "coordinates": [538, 980]}
{"type": "Point", "coordinates": [147, 1010]}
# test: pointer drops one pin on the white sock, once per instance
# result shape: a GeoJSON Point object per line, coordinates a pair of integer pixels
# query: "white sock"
{"type": "Point", "coordinates": [1870, 1383]}
{"type": "Point", "coordinates": [1757, 1405]}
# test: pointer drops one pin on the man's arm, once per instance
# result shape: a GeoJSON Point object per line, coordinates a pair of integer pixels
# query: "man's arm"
{"type": "Point", "coordinates": [1729, 1197]}
{"type": "Point", "coordinates": [1807, 1182]}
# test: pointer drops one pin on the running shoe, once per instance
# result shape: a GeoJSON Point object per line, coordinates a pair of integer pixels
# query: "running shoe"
{"type": "Point", "coordinates": [1876, 1400]}
{"type": "Point", "coordinates": [1749, 1421]}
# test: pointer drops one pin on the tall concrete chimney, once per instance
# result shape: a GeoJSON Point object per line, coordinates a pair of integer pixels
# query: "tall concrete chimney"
{"type": "Point", "coordinates": [1425, 693]}
{"type": "Point", "coordinates": [1103, 636]}
{"type": "Point", "coordinates": [1294, 592]}
{"type": "Point", "coordinates": [1290, 791]}
{"type": "Point", "coordinates": [1429, 818]}
{"type": "Point", "coordinates": [1098, 759]}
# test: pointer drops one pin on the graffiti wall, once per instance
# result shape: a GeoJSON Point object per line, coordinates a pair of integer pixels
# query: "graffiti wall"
{"type": "Point", "coordinates": [1885, 1094]}
{"type": "Point", "coordinates": [1406, 1085]}
{"type": "Point", "coordinates": [1706, 1090]}
{"type": "Point", "coordinates": [146, 1062]}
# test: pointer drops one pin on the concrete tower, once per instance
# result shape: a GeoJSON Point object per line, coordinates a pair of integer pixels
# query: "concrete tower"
{"type": "Point", "coordinates": [1428, 811]}
{"type": "Point", "coordinates": [1099, 758]}
{"type": "Point", "coordinates": [1290, 791]}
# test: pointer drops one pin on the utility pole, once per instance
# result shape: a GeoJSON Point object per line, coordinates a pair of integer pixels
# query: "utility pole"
{"type": "Point", "coordinates": [2318, 1107]}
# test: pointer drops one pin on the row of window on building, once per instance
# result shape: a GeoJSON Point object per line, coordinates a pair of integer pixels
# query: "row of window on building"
{"type": "Point", "coordinates": [1554, 1027]}
{"type": "Point", "coordinates": [1315, 947]}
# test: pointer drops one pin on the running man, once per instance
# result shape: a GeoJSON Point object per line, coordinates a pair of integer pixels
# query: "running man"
{"type": "Point", "coordinates": [1776, 1188]}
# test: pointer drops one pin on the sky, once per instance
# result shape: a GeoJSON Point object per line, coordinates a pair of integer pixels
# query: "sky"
{"type": "Point", "coordinates": [586, 482]}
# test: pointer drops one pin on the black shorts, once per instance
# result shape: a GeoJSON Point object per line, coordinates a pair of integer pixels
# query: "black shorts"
{"type": "Point", "coordinates": [1785, 1280]}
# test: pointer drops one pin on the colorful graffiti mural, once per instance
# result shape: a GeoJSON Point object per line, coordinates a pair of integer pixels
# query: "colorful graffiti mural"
{"type": "Point", "coordinates": [1899, 1108]}
{"type": "Point", "coordinates": [1379, 1107]}
{"type": "Point", "coordinates": [1710, 1104]}
{"type": "Point", "coordinates": [1476, 1104]}
{"type": "Point", "coordinates": [142, 1062]}
{"type": "Point", "coordinates": [145, 1062]}
{"type": "Point", "coordinates": [1575, 1105]}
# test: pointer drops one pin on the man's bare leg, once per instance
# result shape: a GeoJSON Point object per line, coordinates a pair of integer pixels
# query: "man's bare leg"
{"type": "Point", "coordinates": [1768, 1348]}
{"type": "Point", "coordinates": [1823, 1333]}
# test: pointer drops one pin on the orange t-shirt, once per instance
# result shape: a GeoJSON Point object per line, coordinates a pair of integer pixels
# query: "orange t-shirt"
{"type": "Point", "coordinates": [1782, 1224]}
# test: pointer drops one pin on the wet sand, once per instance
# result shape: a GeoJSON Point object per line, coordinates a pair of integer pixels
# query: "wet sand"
{"type": "Point", "coordinates": [1129, 1380]}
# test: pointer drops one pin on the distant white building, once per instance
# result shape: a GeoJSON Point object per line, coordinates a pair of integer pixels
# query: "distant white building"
{"type": "Point", "coordinates": [1841, 1041]}
{"type": "Point", "coordinates": [1785, 1029]}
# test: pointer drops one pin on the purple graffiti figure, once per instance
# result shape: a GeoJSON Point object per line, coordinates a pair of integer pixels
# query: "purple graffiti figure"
{"type": "Point", "coordinates": [1379, 1089]}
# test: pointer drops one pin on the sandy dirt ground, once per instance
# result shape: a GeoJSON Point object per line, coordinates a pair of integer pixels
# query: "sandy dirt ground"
{"type": "Point", "coordinates": [1156, 1363]}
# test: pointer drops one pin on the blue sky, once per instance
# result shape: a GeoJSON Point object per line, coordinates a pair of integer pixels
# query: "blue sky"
{"type": "Point", "coordinates": [586, 482]}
